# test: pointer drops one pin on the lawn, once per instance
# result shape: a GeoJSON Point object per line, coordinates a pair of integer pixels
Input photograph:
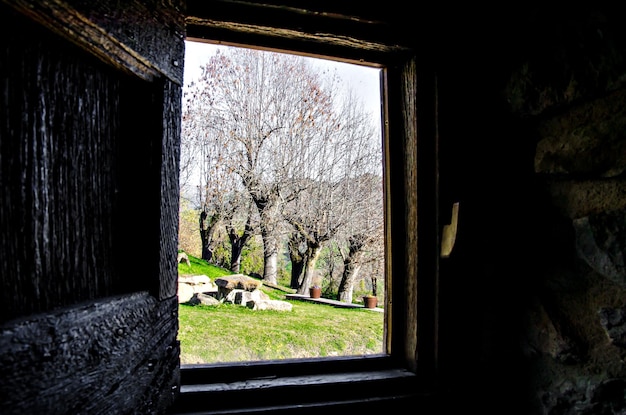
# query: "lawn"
{"type": "Point", "coordinates": [231, 333]}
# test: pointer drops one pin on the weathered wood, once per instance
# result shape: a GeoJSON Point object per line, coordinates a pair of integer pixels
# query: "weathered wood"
{"type": "Point", "coordinates": [306, 29]}
{"type": "Point", "coordinates": [299, 381]}
{"type": "Point", "coordinates": [293, 389]}
{"type": "Point", "coordinates": [411, 176]}
{"type": "Point", "coordinates": [84, 147]}
{"type": "Point", "coordinates": [144, 38]}
{"type": "Point", "coordinates": [169, 162]}
{"type": "Point", "coordinates": [74, 177]}
{"type": "Point", "coordinates": [57, 139]}
{"type": "Point", "coordinates": [109, 356]}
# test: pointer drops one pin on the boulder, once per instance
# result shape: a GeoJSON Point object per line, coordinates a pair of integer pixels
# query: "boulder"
{"type": "Point", "coordinates": [238, 281]}
{"type": "Point", "coordinates": [194, 279]}
{"type": "Point", "coordinates": [199, 283]}
{"type": "Point", "coordinates": [204, 299]}
{"type": "Point", "coordinates": [185, 292]}
{"type": "Point", "coordinates": [270, 305]}
{"type": "Point", "coordinates": [182, 257]}
{"type": "Point", "coordinates": [228, 283]}
{"type": "Point", "coordinates": [242, 297]}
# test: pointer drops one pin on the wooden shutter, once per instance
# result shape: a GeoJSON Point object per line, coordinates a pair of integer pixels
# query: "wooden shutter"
{"type": "Point", "coordinates": [89, 179]}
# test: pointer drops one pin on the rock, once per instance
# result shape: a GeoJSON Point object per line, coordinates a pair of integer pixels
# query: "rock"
{"type": "Point", "coordinates": [270, 305]}
{"type": "Point", "coordinates": [204, 299]}
{"type": "Point", "coordinates": [194, 279]}
{"type": "Point", "coordinates": [242, 297]}
{"type": "Point", "coordinates": [238, 281]}
{"type": "Point", "coordinates": [228, 283]}
{"type": "Point", "coordinates": [182, 257]}
{"type": "Point", "coordinates": [199, 283]}
{"type": "Point", "coordinates": [185, 292]}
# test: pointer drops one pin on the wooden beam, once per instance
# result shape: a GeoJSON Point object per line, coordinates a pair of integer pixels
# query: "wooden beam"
{"type": "Point", "coordinates": [306, 31]}
{"type": "Point", "coordinates": [127, 35]}
{"type": "Point", "coordinates": [111, 356]}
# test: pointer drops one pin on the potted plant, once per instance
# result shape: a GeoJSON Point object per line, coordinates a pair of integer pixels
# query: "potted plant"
{"type": "Point", "coordinates": [370, 301]}
{"type": "Point", "coordinates": [315, 291]}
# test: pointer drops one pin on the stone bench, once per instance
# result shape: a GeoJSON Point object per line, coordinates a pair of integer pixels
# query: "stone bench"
{"type": "Point", "coordinates": [228, 283]}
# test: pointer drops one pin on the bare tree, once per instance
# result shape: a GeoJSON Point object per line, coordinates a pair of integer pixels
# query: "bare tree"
{"type": "Point", "coordinates": [361, 240]}
{"type": "Point", "coordinates": [362, 234]}
{"type": "Point", "coordinates": [295, 146]}
{"type": "Point", "coordinates": [267, 110]}
{"type": "Point", "coordinates": [334, 195]}
{"type": "Point", "coordinates": [205, 156]}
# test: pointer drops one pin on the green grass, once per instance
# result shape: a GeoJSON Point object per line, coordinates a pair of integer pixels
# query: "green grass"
{"type": "Point", "coordinates": [231, 333]}
{"type": "Point", "coordinates": [201, 267]}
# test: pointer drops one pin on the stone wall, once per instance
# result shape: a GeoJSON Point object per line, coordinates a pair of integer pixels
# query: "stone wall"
{"type": "Point", "coordinates": [533, 146]}
{"type": "Point", "coordinates": [575, 328]}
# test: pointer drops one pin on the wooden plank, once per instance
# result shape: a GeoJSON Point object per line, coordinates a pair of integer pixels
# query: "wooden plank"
{"type": "Point", "coordinates": [58, 135]}
{"type": "Point", "coordinates": [306, 24]}
{"type": "Point", "coordinates": [309, 30]}
{"type": "Point", "coordinates": [109, 356]}
{"type": "Point", "coordinates": [144, 38]}
{"type": "Point", "coordinates": [296, 391]}
{"type": "Point", "coordinates": [300, 381]}
{"type": "Point", "coordinates": [411, 161]}
{"type": "Point", "coordinates": [169, 162]}
{"type": "Point", "coordinates": [73, 176]}
{"type": "Point", "coordinates": [415, 270]}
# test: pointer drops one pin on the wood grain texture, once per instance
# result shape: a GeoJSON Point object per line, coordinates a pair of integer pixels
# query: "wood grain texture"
{"type": "Point", "coordinates": [144, 38]}
{"type": "Point", "coordinates": [82, 147]}
{"type": "Point", "coordinates": [114, 355]}
{"type": "Point", "coordinates": [412, 168]}
{"type": "Point", "coordinates": [57, 167]}
{"type": "Point", "coordinates": [293, 388]}
{"type": "Point", "coordinates": [308, 29]}
{"type": "Point", "coordinates": [170, 157]}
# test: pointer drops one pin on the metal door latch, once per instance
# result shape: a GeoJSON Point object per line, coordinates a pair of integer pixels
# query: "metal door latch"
{"type": "Point", "coordinates": [449, 232]}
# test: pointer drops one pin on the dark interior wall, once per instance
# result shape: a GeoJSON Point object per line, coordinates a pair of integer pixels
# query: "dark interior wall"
{"type": "Point", "coordinates": [532, 146]}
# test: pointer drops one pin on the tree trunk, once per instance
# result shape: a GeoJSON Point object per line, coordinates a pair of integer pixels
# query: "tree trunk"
{"type": "Point", "coordinates": [207, 229]}
{"type": "Point", "coordinates": [235, 257]}
{"type": "Point", "coordinates": [270, 250]}
{"type": "Point", "coordinates": [297, 271]}
{"type": "Point", "coordinates": [297, 259]}
{"type": "Point", "coordinates": [351, 268]}
{"type": "Point", "coordinates": [346, 286]}
{"type": "Point", "coordinates": [237, 244]}
{"type": "Point", "coordinates": [271, 266]}
{"type": "Point", "coordinates": [310, 260]}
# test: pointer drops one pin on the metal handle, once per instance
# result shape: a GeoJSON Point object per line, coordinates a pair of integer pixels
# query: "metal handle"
{"type": "Point", "coordinates": [449, 232]}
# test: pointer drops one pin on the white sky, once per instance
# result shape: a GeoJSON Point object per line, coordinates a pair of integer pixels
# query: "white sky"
{"type": "Point", "coordinates": [365, 81]}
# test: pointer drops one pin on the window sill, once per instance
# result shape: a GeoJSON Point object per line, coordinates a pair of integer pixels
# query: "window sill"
{"type": "Point", "coordinates": [296, 385]}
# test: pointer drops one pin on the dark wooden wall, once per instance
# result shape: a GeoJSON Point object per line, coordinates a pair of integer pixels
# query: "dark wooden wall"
{"type": "Point", "coordinates": [89, 206]}
{"type": "Point", "coordinates": [60, 200]}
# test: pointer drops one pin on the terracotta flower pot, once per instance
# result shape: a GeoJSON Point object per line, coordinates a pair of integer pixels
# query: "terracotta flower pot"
{"type": "Point", "coordinates": [315, 292]}
{"type": "Point", "coordinates": [370, 301]}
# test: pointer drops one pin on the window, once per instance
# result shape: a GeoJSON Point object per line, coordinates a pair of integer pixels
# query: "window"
{"type": "Point", "coordinates": [411, 186]}
{"type": "Point", "coordinates": [312, 186]}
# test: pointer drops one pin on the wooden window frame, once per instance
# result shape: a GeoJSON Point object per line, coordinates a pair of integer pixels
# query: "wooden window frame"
{"type": "Point", "coordinates": [408, 92]}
